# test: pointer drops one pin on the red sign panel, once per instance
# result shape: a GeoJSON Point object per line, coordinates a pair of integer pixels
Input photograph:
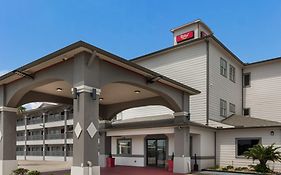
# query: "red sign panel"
{"type": "Point", "coordinates": [185, 36]}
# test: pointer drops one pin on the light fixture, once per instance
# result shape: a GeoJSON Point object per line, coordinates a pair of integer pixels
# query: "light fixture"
{"type": "Point", "coordinates": [272, 133]}
{"type": "Point", "coordinates": [59, 89]}
{"type": "Point", "coordinates": [101, 99]}
{"type": "Point", "coordinates": [137, 91]}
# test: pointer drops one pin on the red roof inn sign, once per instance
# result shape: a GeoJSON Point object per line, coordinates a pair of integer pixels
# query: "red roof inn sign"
{"type": "Point", "coordinates": [185, 36]}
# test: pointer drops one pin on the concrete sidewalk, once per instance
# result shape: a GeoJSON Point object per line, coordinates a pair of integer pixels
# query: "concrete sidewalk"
{"type": "Point", "coordinates": [44, 166]}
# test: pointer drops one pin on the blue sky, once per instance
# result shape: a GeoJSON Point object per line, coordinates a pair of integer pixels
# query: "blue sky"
{"type": "Point", "coordinates": [129, 28]}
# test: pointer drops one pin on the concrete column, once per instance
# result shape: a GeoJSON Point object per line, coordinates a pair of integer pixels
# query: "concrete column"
{"type": "Point", "coordinates": [105, 148]}
{"type": "Point", "coordinates": [182, 161]}
{"type": "Point", "coordinates": [66, 112]}
{"type": "Point", "coordinates": [85, 139]}
{"type": "Point", "coordinates": [44, 115]}
{"type": "Point", "coordinates": [25, 137]}
{"type": "Point", "coordinates": [8, 161]}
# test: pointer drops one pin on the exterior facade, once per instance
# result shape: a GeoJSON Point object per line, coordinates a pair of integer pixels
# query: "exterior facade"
{"type": "Point", "coordinates": [194, 102]}
{"type": "Point", "coordinates": [46, 133]}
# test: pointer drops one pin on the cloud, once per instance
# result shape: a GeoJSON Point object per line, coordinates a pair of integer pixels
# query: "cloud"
{"type": "Point", "coordinates": [2, 72]}
{"type": "Point", "coordinates": [33, 105]}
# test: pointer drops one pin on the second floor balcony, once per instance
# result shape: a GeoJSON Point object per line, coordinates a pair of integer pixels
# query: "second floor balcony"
{"type": "Point", "coordinates": [34, 153]}
{"type": "Point", "coordinates": [35, 137]}
{"type": "Point", "coordinates": [54, 136]}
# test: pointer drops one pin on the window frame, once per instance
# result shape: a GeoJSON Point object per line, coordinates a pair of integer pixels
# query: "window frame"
{"type": "Point", "coordinates": [232, 76]}
{"type": "Point", "coordinates": [232, 105]}
{"type": "Point", "coordinates": [223, 73]}
{"type": "Point", "coordinates": [244, 138]}
{"type": "Point", "coordinates": [244, 111]}
{"type": "Point", "coordinates": [221, 114]}
{"type": "Point", "coordinates": [117, 147]}
{"type": "Point", "coordinates": [246, 86]}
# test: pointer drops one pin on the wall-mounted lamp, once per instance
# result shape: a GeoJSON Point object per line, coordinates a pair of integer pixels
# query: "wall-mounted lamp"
{"type": "Point", "coordinates": [137, 91]}
{"type": "Point", "coordinates": [272, 133]}
{"type": "Point", "coordinates": [59, 89]}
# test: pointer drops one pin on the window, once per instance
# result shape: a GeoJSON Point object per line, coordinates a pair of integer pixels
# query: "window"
{"type": "Point", "coordinates": [223, 67]}
{"type": "Point", "coordinates": [124, 146]}
{"type": "Point", "coordinates": [232, 73]}
{"type": "Point", "coordinates": [231, 107]}
{"type": "Point", "coordinates": [246, 80]}
{"type": "Point", "coordinates": [244, 144]}
{"type": "Point", "coordinates": [246, 111]}
{"type": "Point", "coordinates": [223, 108]}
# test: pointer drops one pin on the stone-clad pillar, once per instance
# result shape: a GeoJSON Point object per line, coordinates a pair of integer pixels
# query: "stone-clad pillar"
{"type": "Point", "coordinates": [104, 145]}
{"type": "Point", "coordinates": [85, 139]}
{"type": "Point", "coordinates": [44, 116]}
{"type": "Point", "coordinates": [8, 161]}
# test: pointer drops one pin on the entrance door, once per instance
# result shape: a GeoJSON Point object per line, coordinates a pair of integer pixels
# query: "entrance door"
{"type": "Point", "coordinates": [156, 152]}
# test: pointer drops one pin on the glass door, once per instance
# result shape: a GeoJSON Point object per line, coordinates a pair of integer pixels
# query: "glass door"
{"type": "Point", "coordinates": [156, 152]}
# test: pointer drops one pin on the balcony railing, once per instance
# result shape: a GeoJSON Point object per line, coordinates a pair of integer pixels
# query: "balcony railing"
{"type": "Point", "coordinates": [54, 153]}
{"type": "Point", "coordinates": [54, 118]}
{"type": "Point", "coordinates": [20, 153]}
{"type": "Point", "coordinates": [54, 136]}
{"type": "Point", "coordinates": [35, 121]}
{"type": "Point", "coordinates": [35, 137]}
{"type": "Point", "coordinates": [34, 153]}
{"type": "Point", "coordinates": [70, 116]}
{"type": "Point", "coordinates": [20, 123]}
{"type": "Point", "coordinates": [69, 135]}
{"type": "Point", "coordinates": [69, 153]}
{"type": "Point", "coordinates": [20, 138]}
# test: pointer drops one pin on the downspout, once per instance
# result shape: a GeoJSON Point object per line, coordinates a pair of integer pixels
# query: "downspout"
{"type": "Point", "coordinates": [215, 149]}
{"type": "Point", "coordinates": [207, 81]}
{"type": "Point", "coordinates": [242, 109]}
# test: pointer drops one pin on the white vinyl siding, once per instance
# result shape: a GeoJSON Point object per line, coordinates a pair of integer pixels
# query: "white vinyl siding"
{"type": "Point", "coordinates": [188, 66]}
{"type": "Point", "coordinates": [223, 108]}
{"type": "Point", "coordinates": [223, 67]}
{"type": "Point", "coordinates": [232, 73]}
{"type": "Point", "coordinates": [226, 146]}
{"type": "Point", "coordinates": [221, 87]}
{"type": "Point", "coordinates": [264, 94]}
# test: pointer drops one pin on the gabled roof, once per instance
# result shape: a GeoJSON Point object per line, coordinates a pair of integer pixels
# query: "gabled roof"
{"type": "Point", "coordinates": [80, 46]}
{"type": "Point", "coordinates": [241, 121]}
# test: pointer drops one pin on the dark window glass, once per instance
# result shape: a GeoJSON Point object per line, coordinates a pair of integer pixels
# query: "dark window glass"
{"type": "Point", "coordinates": [246, 111]}
{"type": "Point", "coordinates": [124, 146]}
{"type": "Point", "coordinates": [244, 145]}
{"type": "Point", "coordinates": [247, 79]}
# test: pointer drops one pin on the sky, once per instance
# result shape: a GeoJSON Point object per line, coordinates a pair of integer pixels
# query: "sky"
{"type": "Point", "coordinates": [130, 28]}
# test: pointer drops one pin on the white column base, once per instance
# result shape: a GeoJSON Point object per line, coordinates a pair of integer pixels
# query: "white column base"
{"type": "Point", "coordinates": [182, 165]}
{"type": "Point", "coordinates": [102, 160]}
{"type": "Point", "coordinates": [8, 166]}
{"type": "Point", "coordinates": [77, 170]}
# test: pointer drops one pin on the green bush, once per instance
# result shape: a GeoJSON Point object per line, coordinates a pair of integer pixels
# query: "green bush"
{"type": "Point", "coordinates": [229, 167]}
{"type": "Point", "coordinates": [263, 155]}
{"type": "Point", "coordinates": [20, 171]}
{"type": "Point", "coordinates": [33, 173]}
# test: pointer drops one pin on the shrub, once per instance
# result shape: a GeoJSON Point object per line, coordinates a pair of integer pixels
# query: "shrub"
{"type": "Point", "coordinates": [229, 167]}
{"type": "Point", "coordinates": [33, 173]}
{"type": "Point", "coordinates": [20, 171]}
{"type": "Point", "coordinates": [263, 155]}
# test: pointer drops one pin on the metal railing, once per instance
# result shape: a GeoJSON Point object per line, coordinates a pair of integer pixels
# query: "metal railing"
{"type": "Point", "coordinates": [35, 137]}
{"type": "Point", "coordinates": [54, 153]}
{"type": "Point", "coordinates": [54, 136]}
{"type": "Point", "coordinates": [70, 116]}
{"type": "Point", "coordinates": [20, 138]}
{"type": "Point", "coordinates": [20, 123]}
{"type": "Point", "coordinates": [54, 118]}
{"type": "Point", "coordinates": [20, 153]}
{"type": "Point", "coordinates": [69, 153]}
{"type": "Point", "coordinates": [69, 135]}
{"type": "Point", "coordinates": [34, 153]}
{"type": "Point", "coordinates": [34, 121]}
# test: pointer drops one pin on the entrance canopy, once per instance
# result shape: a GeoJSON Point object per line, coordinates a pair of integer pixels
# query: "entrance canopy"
{"type": "Point", "coordinates": [97, 83]}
